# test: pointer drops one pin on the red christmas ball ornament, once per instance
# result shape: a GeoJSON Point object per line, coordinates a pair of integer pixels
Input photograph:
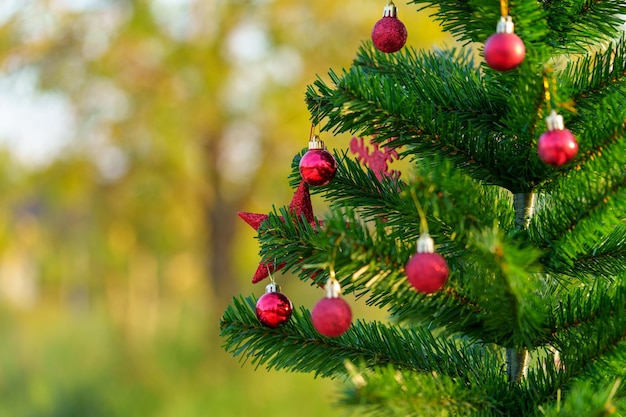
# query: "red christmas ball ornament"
{"type": "Point", "coordinates": [273, 308]}
{"type": "Point", "coordinates": [504, 50]}
{"type": "Point", "coordinates": [427, 271]}
{"type": "Point", "coordinates": [389, 33]}
{"type": "Point", "coordinates": [331, 316]}
{"type": "Point", "coordinates": [557, 146]}
{"type": "Point", "coordinates": [317, 165]}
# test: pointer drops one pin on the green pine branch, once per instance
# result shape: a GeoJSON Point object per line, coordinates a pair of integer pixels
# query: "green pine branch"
{"type": "Point", "coordinates": [588, 399]}
{"type": "Point", "coordinates": [596, 74]}
{"type": "Point", "coordinates": [581, 223]}
{"type": "Point", "coordinates": [566, 26]}
{"type": "Point", "coordinates": [387, 391]}
{"type": "Point", "coordinates": [377, 250]}
{"type": "Point", "coordinates": [414, 105]}
{"type": "Point", "coordinates": [475, 21]}
{"type": "Point", "coordinates": [582, 304]}
{"type": "Point", "coordinates": [413, 357]}
{"type": "Point", "coordinates": [578, 24]}
{"type": "Point", "coordinates": [471, 135]}
{"type": "Point", "coordinates": [297, 346]}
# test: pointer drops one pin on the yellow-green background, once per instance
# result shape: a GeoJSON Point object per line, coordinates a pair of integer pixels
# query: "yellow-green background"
{"type": "Point", "coordinates": [112, 282]}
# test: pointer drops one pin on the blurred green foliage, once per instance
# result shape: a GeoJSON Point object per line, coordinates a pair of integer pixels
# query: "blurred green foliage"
{"type": "Point", "coordinates": [118, 253]}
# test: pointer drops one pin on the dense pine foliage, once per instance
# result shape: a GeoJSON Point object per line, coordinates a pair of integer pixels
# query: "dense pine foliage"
{"type": "Point", "coordinates": [537, 254]}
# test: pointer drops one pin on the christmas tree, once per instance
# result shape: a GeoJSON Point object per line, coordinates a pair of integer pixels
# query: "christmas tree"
{"type": "Point", "coordinates": [513, 300]}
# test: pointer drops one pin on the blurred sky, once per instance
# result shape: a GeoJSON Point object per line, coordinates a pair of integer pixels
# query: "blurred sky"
{"type": "Point", "coordinates": [37, 126]}
{"type": "Point", "coordinates": [34, 126]}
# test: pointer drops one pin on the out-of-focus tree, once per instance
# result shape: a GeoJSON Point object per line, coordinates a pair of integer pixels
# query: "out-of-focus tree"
{"type": "Point", "coordinates": [178, 109]}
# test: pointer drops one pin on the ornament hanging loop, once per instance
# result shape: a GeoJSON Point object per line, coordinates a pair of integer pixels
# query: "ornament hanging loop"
{"type": "Point", "coordinates": [272, 286]}
{"type": "Point", "coordinates": [315, 142]}
{"type": "Point", "coordinates": [332, 288]}
{"type": "Point", "coordinates": [315, 116]}
{"type": "Point", "coordinates": [549, 88]}
{"type": "Point", "coordinates": [269, 272]}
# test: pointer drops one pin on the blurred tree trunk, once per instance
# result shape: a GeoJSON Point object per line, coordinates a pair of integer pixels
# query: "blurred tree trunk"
{"type": "Point", "coordinates": [221, 222]}
{"type": "Point", "coordinates": [220, 259]}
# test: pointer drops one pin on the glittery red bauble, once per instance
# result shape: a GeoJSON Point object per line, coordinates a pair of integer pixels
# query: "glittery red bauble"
{"type": "Point", "coordinates": [504, 51]}
{"type": "Point", "coordinates": [557, 147]}
{"type": "Point", "coordinates": [427, 272]}
{"type": "Point", "coordinates": [331, 316]}
{"type": "Point", "coordinates": [273, 309]}
{"type": "Point", "coordinates": [318, 167]}
{"type": "Point", "coordinates": [389, 34]}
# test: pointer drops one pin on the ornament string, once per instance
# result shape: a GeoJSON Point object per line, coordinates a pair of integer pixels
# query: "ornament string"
{"type": "Point", "coordinates": [312, 131]}
{"type": "Point", "coordinates": [269, 273]}
{"type": "Point", "coordinates": [333, 287]}
{"type": "Point", "coordinates": [420, 212]}
{"type": "Point", "coordinates": [504, 8]}
{"type": "Point", "coordinates": [549, 89]}
{"type": "Point", "coordinates": [331, 265]}
{"type": "Point", "coordinates": [315, 122]}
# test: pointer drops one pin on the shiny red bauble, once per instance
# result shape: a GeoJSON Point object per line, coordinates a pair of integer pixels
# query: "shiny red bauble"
{"type": "Point", "coordinates": [557, 147]}
{"type": "Point", "coordinates": [389, 34]}
{"type": "Point", "coordinates": [273, 309]}
{"type": "Point", "coordinates": [504, 51]}
{"type": "Point", "coordinates": [331, 316]}
{"type": "Point", "coordinates": [427, 272]}
{"type": "Point", "coordinates": [318, 167]}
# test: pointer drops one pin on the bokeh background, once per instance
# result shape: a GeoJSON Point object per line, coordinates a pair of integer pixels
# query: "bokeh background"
{"type": "Point", "coordinates": [131, 134]}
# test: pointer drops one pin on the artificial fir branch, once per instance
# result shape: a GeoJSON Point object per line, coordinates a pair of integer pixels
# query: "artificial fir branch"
{"type": "Point", "coordinates": [596, 74]}
{"type": "Point", "coordinates": [607, 258]}
{"type": "Point", "coordinates": [444, 79]}
{"type": "Point", "coordinates": [583, 306]}
{"type": "Point", "coordinates": [504, 271]}
{"type": "Point", "coordinates": [460, 18]}
{"type": "Point", "coordinates": [587, 400]}
{"type": "Point", "coordinates": [454, 202]}
{"type": "Point", "coordinates": [548, 282]}
{"type": "Point", "coordinates": [605, 336]}
{"type": "Point", "coordinates": [576, 199]}
{"type": "Point", "coordinates": [475, 21]}
{"type": "Point", "coordinates": [581, 23]}
{"type": "Point", "coordinates": [392, 392]}
{"type": "Point", "coordinates": [420, 112]}
{"type": "Point", "coordinates": [297, 346]}
{"type": "Point", "coordinates": [471, 369]}
{"type": "Point", "coordinates": [580, 222]}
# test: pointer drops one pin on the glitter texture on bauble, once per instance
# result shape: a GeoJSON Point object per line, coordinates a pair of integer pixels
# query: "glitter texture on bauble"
{"type": "Point", "coordinates": [389, 33]}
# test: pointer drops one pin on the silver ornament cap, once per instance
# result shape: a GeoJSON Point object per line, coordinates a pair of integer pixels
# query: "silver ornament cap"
{"type": "Point", "coordinates": [272, 287]}
{"type": "Point", "coordinates": [425, 244]}
{"type": "Point", "coordinates": [505, 25]}
{"type": "Point", "coordinates": [316, 143]}
{"type": "Point", "coordinates": [555, 121]}
{"type": "Point", "coordinates": [390, 10]}
{"type": "Point", "coordinates": [332, 288]}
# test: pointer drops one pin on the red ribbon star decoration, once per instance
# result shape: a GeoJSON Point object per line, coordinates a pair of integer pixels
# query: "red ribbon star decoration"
{"type": "Point", "coordinates": [301, 205]}
{"type": "Point", "coordinates": [377, 157]}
